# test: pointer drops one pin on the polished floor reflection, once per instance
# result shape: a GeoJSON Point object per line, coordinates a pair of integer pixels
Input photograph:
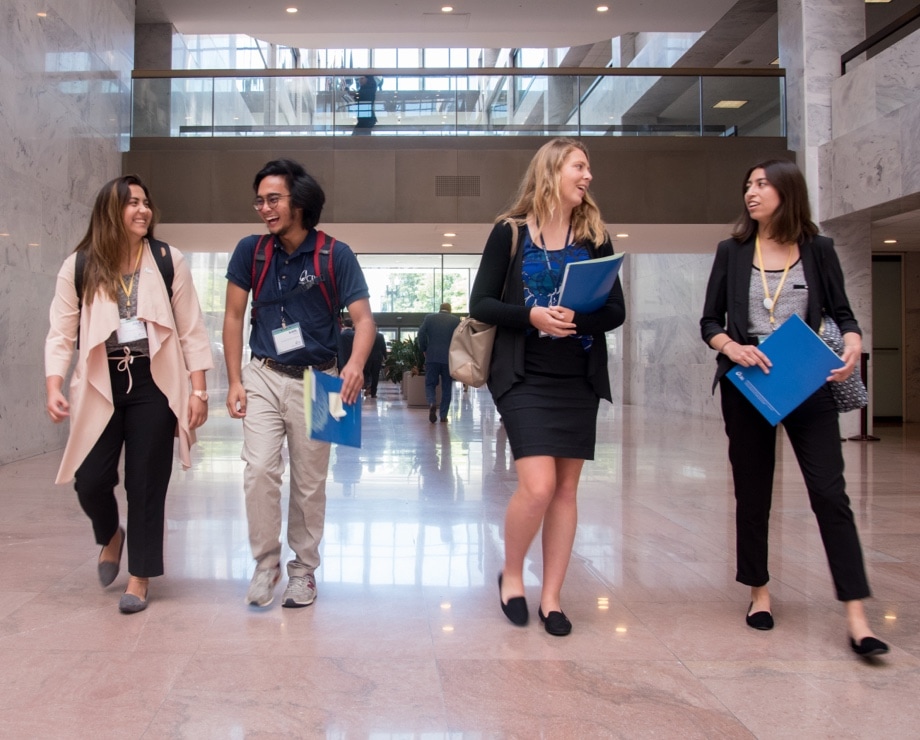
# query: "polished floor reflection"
{"type": "Point", "coordinates": [406, 638]}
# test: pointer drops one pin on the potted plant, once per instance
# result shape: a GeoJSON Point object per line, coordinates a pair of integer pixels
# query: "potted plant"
{"type": "Point", "coordinates": [404, 358]}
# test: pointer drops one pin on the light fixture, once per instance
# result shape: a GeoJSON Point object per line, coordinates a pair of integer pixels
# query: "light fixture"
{"type": "Point", "coordinates": [622, 236]}
{"type": "Point", "coordinates": [602, 8]}
{"type": "Point", "coordinates": [877, 1]}
{"type": "Point", "coordinates": [447, 8]}
{"type": "Point", "coordinates": [891, 241]}
{"type": "Point", "coordinates": [42, 14]}
{"type": "Point", "coordinates": [730, 104]}
{"type": "Point", "coordinates": [449, 234]}
{"type": "Point", "coordinates": [447, 244]}
{"type": "Point", "coordinates": [291, 10]}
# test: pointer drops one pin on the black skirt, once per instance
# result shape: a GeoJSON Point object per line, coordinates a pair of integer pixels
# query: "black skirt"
{"type": "Point", "coordinates": [552, 412]}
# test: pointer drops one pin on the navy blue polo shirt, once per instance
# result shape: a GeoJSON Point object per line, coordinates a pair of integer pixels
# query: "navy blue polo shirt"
{"type": "Point", "coordinates": [318, 325]}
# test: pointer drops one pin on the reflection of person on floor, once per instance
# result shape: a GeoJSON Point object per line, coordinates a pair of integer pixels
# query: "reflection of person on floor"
{"type": "Point", "coordinates": [434, 337]}
{"type": "Point", "coordinates": [374, 365]}
{"type": "Point", "coordinates": [549, 363]}
{"type": "Point", "coordinates": [364, 99]}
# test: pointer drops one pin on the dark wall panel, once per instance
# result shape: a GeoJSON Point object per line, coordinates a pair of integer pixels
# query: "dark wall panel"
{"type": "Point", "coordinates": [418, 180]}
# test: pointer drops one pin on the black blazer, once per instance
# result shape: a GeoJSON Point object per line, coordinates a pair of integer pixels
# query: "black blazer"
{"type": "Point", "coordinates": [487, 303]}
{"type": "Point", "coordinates": [728, 292]}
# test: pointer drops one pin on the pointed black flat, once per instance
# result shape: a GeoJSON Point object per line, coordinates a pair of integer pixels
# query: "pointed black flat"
{"type": "Point", "coordinates": [759, 620]}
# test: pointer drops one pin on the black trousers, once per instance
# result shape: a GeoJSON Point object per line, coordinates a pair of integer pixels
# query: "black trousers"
{"type": "Point", "coordinates": [145, 426]}
{"type": "Point", "coordinates": [814, 432]}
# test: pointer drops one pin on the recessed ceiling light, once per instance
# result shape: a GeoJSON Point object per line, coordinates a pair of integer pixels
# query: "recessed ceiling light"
{"type": "Point", "coordinates": [602, 8]}
{"type": "Point", "coordinates": [891, 241]}
{"type": "Point", "coordinates": [448, 244]}
{"type": "Point", "coordinates": [449, 234]}
{"type": "Point", "coordinates": [42, 15]}
{"type": "Point", "coordinates": [447, 8]}
{"type": "Point", "coordinates": [622, 236]}
{"type": "Point", "coordinates": [291, 10]}
{"type": "Point", "coordinates": [730, 104]}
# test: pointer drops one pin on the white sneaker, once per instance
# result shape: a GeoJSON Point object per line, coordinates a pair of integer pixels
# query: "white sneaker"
{"type": "Point", "coordinates": [262, 586]}
{"type": "Point", "coordinates": [300, 591]}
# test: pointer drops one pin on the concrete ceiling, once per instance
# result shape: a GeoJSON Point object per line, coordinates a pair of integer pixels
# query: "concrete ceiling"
{"type": "Point", "coordinates": [421, 23]}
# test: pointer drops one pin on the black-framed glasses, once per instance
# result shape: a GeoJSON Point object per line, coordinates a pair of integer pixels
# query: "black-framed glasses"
{"type": "Point", "coordinates": [271, 201]}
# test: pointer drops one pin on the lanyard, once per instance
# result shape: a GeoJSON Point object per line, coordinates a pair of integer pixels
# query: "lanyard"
{"type": "Point", "coordinates": [129, 286]}
{"type": "Point", "coordinates": [549, 267]}
{"type": "Point", "coordinates": [769, 302]}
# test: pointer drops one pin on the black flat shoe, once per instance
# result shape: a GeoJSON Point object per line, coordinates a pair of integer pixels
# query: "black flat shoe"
{"type": "Point", "coordinates": [515, 609]}
{"type": "Point", "coordinates": [868, 647]}
{"type": "Point", "coordinates": [107, 570]}
{"type": "Point", "coordinates": [556, 623]}
{"type": "Point", "coordinates": [759, 620]}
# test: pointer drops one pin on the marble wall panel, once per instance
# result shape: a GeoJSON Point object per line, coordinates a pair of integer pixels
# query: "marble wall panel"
{"type": "Point", "coordinates": [865, 167]}
{"type": "Point", "coordinates": [910, 148]}
{"type": "Point", "coordinates": [897, 74]}
{"type": "Point", "coordinates": [667, 364]}
{"type": "Point", "coordinates": [64, 103]}
{"type": "Point", "coordinates": [853, 100]}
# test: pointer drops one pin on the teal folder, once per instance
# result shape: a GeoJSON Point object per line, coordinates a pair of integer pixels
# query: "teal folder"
{"type": "Point", "coordinates": [328, 419]}
{"type": "Point", "coordinates": [587, 284]}
{"type": "Point", "coordinates": [802, 363]}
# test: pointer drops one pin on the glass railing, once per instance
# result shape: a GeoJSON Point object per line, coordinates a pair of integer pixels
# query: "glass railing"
{"type": "Point", "coordinates": [478, 102]}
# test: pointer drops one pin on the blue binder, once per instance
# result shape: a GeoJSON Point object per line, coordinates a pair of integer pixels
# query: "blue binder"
{"type": "Point", "coordinates": [587, 284]}
{"type": "Point", "coordinates": [801, 364]}
{"type": "Point", "coordinates": [325, 421]}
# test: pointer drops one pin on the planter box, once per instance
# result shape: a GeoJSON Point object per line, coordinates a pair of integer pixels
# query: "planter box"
{"type": "Point", "coordinates": [413, 388]}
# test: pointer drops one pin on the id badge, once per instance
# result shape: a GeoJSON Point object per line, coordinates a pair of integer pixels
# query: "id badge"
{"type": "Point", "coordinates": [131, 330]}
{"type": "Point", "coordinates": [288, 338]}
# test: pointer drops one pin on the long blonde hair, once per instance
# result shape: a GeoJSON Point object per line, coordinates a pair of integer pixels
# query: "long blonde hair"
{"type": "Point", "coordinates": [107, 236]}
{"type": "Point", "coordinates": [538, 193]}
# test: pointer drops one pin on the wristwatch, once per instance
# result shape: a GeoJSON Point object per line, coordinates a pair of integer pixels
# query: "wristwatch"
{"type": "Point", "coordinates": [203, 395]}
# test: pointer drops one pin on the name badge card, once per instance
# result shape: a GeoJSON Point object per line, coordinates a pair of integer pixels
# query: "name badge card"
{"type": "Point", "coordinates": [131, 330]}
{"type": "Point", "coordinates": [288, 338]}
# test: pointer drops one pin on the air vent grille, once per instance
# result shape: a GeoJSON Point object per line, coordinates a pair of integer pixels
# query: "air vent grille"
{"type": "Point", "coordinates": [454, 185]}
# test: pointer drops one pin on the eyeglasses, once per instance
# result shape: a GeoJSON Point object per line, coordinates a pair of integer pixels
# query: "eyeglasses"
{"type": "Point", "coordinates": [271, 201]}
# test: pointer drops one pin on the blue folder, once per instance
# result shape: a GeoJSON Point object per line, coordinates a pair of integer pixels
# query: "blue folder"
{"type": "Point", "coordinates": [324, 422]}
{"type": "Point", "coordinates": [587, 284]}
{"type": "Point", "coordinates": [802, 363]}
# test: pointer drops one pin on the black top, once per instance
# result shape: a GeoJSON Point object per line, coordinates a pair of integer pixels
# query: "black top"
{"type": "Point", "coordinates": [512, 317]}
{"type": "Point", "coordinates": [727, 294]}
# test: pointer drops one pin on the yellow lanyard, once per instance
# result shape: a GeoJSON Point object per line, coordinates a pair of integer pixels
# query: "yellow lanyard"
{"type": "Point", "coordinates": [769, 302]}
{"type": "Point", "coordinates": [128, 287]}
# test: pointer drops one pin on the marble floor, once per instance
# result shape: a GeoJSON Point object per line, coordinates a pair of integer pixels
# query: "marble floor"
{"type": "Point", "coordinates": [406, 639]}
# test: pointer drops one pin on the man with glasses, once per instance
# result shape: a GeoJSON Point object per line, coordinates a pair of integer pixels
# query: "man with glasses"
{"type": "Point", "coordinates": [294, 328]}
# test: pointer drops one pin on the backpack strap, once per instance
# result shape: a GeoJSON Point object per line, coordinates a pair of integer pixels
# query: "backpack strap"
{"type": "Point", "coordinates": [161, 255]}
{"type": "Point", "coordinates": [261, 260]}
{"type": "Point", "coordinates": [331, 301]}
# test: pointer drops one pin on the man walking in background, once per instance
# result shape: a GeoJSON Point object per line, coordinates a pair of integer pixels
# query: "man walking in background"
{"type": "Point", "coordinates": [434, 337]}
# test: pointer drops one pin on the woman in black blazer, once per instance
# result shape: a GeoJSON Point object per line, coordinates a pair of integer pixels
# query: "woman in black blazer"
{"type": "Point", "coordinates": [776, 265]}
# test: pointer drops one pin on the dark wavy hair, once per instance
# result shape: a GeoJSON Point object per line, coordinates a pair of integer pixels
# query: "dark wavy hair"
{"type": "Point", "coordinates": [106, 236]}
{"type": "Point", "coordinates": [306, 193]}
{"type": "Point", "coordinates": [792, 220]}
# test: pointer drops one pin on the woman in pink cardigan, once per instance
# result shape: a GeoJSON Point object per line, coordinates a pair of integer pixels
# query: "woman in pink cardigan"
{"type": "Point", "coordinates": [138, 381]}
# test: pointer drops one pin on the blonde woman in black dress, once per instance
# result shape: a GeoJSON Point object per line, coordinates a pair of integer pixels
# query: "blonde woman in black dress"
{"type": "Point", "coordinates": [549, 363]}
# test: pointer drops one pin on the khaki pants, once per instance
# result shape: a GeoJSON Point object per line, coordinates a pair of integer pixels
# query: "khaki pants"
{"type": "Point", "coordinates": [274, 412]}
